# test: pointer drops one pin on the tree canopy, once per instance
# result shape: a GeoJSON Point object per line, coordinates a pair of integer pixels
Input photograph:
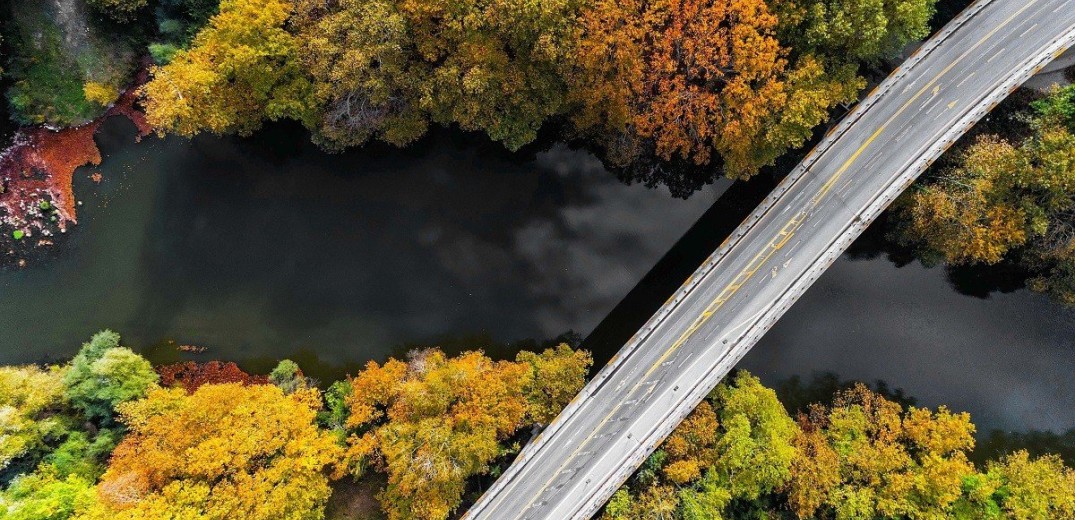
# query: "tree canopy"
{"type": "Point", "coordinates": [695, 79]}
{"type": "Point", "coordinates": [241, 69]}
{"type": "Point", "coordinates": [672, 84]}
{"type": "Point", "coordinates": [223, 451]}
{"type": "Point", "coordinates": [29, 399]}
{"type": "Point", "coordinates": [859, 30]}
{"type": "Point", "coordinates": [387, 68]}
{"type": "Point", "coordinates": [433, 422]}
{"type": "Point", "coordinates": [739, 455]}
{"type": "Point", "coordinates": [104, 374]}
{"type": "Point", "coordinates": [438, 426]}
{"type": "Point", "coordinates": [1005, 200]}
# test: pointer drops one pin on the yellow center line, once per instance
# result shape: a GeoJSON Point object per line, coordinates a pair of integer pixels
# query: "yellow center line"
{"type": "Point", "coordinates": [785, 235]}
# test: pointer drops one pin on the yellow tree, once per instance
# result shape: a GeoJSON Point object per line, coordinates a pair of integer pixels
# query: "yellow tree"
{"type": "Point", "coordinates": [431, 424]}
{"type": "Point", "coordinates": [497, 64]}
{"type": "Point", "coordinates": [735, 446]}
{"type": "Point", "coordinates": [224, 451]}
{"type": "Point", "coordinates": [967, 215]}
{"type": "Point", "coordinates": [1033, 489]}
{"type": "Point", "coordinates": [241, 69]}
{"type": "Point", "coordinates": [692, 446]}
{"type": "Point", "coordinates": [887, 462]}
{"type": "Point", "coordinates": [815, 469]}
{"type": "Point", "coordinates": [367, 76]}
{"type": "Point", "coordinates": [556, 375]}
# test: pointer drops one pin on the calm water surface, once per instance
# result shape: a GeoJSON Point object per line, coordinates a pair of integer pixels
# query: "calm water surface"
{"type": "Point", "coordinates": [263, 248]}
{"type": "Point", "coordinates": [258, 248]}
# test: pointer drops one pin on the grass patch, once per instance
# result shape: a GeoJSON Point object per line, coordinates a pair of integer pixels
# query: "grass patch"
{"type": "Point", "coordinates": [54, 56]}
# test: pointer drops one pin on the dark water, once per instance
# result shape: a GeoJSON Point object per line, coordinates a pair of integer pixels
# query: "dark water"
{"type": "Point", "coordinates": [973, 339]}
{"type": "Point", "coordinates": [263, 248]}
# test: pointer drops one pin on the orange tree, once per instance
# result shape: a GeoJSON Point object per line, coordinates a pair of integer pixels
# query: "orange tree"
{"type": "Point", "coordinates": [694, 78]}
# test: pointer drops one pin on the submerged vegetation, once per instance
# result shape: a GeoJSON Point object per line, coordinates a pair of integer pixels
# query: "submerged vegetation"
{"type": "Point", "coordinates": [108, 436]}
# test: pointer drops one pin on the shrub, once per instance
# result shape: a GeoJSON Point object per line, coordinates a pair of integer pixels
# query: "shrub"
{"type": "Point", "coordinates": [99, 93]}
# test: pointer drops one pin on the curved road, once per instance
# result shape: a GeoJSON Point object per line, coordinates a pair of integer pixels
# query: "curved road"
{"type": "Point", "coordinates": [699, 335]}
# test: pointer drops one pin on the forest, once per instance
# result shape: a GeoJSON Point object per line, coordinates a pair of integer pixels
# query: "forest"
{"type": "Point", "coordinates": [669, 91]}
{"type": "Point", "coordinates": [665, 92]}
{"type": "Point", "coordinates": [108, 435]}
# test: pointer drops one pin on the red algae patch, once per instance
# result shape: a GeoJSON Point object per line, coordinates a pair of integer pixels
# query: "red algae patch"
{"type": "Point", "coordinates": [37, 169]}
{"type": "Point", "coordinates": [191, 375]}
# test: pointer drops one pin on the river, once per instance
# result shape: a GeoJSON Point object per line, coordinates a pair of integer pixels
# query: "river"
{"type": "Point", "coordinates": [264, 247]}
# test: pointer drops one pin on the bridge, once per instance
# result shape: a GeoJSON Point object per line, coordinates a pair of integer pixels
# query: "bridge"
{"type": "Point", "coordinates": [763, 267]}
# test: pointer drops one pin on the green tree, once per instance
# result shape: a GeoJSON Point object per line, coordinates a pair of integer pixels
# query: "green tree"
{"type": "Point", "coordinates": [856, 30]}
{"type": "Point", "coordinates": [103, 374]}
{"type": "Point", "coordinates": [45, 495]}
{"type": "Point", "coordinates": [497, 62]}
{"type": "Point", "coordinates": [386, 68]}
{"type": "Point", "coordinates": [288, 377]}
{"type": "Point", "coordinates": [30, 401]}
{"type": "Point", "coordinates": [1058, 107]}
{"type": "Point", "coordinates": [334, 416]}
{"type": "Point", "coordinates": [755, 448]}
{"type": "Point", "coordinates": [734, 449]}
{"type": "Point", "coordinates": [119, 10]}
{"type": "Point", "coordinates": [862, 457]}
{"type": "Point", "coordinates": [53, 55]}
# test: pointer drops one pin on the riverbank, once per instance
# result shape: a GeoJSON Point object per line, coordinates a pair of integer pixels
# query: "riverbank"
{"type": "Point", "coordinates": [37, 199]}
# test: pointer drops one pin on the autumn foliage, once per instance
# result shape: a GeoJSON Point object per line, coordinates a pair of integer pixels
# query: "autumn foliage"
{"type": "Point", "coordinates": [223, 451]}
{"type": "Point", "coordinates": [41, 164]}
{"type": "Point", "coordinates": [699, 81]}
{"type": "Point", "coordinates": [436, 426]}
{"type": "Point", "coordinates": [1005, 200]}
{"type": "Point", "coordinates": [241, 69]}
{"type": "Point", "coordinates": [739, 455]}
{"type": "Point", "coordinates": [698, 78]}
{"type": "Point", "coordinates": [433, 422]}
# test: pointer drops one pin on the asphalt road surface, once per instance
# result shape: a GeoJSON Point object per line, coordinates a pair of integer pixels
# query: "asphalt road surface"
{"type": "Point", "coordinates": [723, 309]}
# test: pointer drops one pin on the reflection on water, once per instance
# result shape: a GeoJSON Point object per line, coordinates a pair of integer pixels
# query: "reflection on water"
{"type": "Point", "coordinates": [1007, 359]}
{"type": "Point", "coordinates": [972, 338]}
{"type": "Point", "coordinates": [263, 247]}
